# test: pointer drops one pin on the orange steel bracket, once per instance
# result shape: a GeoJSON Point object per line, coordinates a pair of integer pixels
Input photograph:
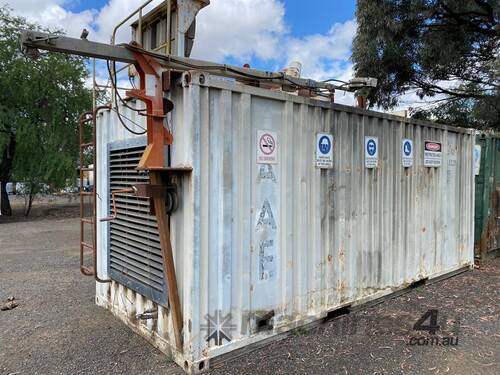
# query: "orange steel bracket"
{"type": "Point", "coordinates": [151, 93]}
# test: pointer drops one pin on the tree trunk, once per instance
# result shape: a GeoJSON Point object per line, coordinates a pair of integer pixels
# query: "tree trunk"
{"type": "Point", "coordinates": [28, 200]}
{"type": "Point", "coordinates": [5, 208]}
{"type": "Point", "coordinates": [29, 204]}
{"type": "Point", "coordinates": [5, 173]}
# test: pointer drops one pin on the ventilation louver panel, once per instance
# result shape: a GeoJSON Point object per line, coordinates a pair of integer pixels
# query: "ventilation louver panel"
{"type": "Point", "coordinates": [135, 254]}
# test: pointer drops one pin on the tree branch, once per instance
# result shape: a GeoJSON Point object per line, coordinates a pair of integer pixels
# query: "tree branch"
{"type": "Point", "coordinates": [440, 90]}
{"type": "Point", "coordinates": [472, 26]}
{"type": "Point", "coordinates": [489, 10]}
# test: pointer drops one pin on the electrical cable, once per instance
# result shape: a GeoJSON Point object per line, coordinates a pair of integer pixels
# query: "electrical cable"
{"type": "Point", "coordinates": [125, 125]}
{"type": "Point", "coordinates": [123, 116]}
{"type": "Point", "coordinates": [274, 76]}
{"type": "Point", "coordinates": [314, 89]}
{"type": "Point", "coordinates": [321, 91]}
{"type": "Point", "coordinates": [131, 80]}
{"type": "Point", "coordinates": [335, 80]}
{"type": "Point", "coordinates": [113, 84]}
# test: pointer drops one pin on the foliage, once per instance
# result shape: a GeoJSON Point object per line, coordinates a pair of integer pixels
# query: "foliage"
{"type": "Point", "coordinates": [445, 49]}
{"type": "Point", "coordinates": [40, 102]}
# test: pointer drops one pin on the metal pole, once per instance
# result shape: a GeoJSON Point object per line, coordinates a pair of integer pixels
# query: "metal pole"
{"type": "Point", "coordinates": [84, 119]}
{"type": "Point", "coordinates": [169, 26]}
{"type": "Point", "coordinates": [94, 98]}
{"type": "Point", "coordinates": [138, 38]}
{"type": "Point", "coordinates": [113, 36]}
{"type": "Point", "coordinates": [94, 190]}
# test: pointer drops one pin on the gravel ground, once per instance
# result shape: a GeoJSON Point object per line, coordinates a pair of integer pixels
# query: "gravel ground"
{"type": "Point", "coordinates": [376, 340]}
{"type": "Point", "coordinates": [57, 329]}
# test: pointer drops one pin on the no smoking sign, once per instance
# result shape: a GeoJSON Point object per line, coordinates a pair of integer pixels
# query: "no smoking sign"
{"type": "Point", "coordinates": [267, 147]}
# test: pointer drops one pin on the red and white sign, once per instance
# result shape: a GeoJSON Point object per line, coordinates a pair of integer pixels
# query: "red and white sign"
{"type": "Point", "coordinates": [267, 147]}
{"type": "Point", "coordinates": [432, 154]}
{"type": "Point", "coordinates": [433, 146]}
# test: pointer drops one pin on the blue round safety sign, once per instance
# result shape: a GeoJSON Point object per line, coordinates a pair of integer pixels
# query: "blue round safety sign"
{"type": "Point", "coordinates": [407, 148]}
{"type": "Point", "coordinates": [371, 147]}
{"type": "Point", "coordinates": [324, 145]}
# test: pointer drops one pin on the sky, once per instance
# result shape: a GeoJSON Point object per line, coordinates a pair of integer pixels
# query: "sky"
{"type": "Point", "coordinates": [268, 34]}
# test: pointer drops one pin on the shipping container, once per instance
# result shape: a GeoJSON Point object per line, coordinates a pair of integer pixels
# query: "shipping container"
{"type": "Point", "coordinates": [266, 236]}
{"type": "Point", "coordinates": [487, 197]}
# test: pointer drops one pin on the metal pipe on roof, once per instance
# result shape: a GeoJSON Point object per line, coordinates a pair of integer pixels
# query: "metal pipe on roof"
{"type": "Point", "coordinates": [125, 53]}
{"type": "Point", "coordinates": [113, 36]}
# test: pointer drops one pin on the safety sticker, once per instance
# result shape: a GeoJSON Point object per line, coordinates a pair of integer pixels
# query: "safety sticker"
{"type": "Point", "coordinates": [371, 152]}
{"type": "Point", "coordinates": [324, 150]}
{"type": "Point", "coordinates": [432, 154]}
{"type": "Point", "coordinates": [407, 152]}
{"type": "Point", "coordinates": [267, 147]}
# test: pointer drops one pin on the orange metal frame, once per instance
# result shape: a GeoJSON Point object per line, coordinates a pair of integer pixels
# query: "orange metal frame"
{"type": "Point", "coordinates": [114, 211]}
{"type": "Point", "coordinates": [151, 93]}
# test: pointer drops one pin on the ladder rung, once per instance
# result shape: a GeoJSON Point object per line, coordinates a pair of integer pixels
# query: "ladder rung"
{"type": "Point", "coordinates": [84, 145]}
{"type": "Point", "coordinates": [86, 193]}
{"type": "Point", "coordinates": [87, 245]}
{"type": "Point", "coordinates": [87, 271]}
{"type": "Point", "coordinates": [87, 220]}
{"type": "Point", "coordinates": [86, 169]}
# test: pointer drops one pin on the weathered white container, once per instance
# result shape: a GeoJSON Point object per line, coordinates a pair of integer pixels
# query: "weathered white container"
{"type": "Point", "coordinates": [263, 248]}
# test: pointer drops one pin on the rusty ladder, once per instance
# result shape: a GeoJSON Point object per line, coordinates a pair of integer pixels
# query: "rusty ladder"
{"type": "Point", "coordinates": [86, 119]}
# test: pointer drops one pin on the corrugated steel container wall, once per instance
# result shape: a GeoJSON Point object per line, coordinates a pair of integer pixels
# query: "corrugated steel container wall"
{"type": "Point", "coordinates": [329, 238]}
{"type": "Point", "coordinates": [486, 184]}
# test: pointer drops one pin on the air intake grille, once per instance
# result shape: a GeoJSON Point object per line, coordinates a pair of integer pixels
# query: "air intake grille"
{"type": "Point", "coordinates": [135, 254]}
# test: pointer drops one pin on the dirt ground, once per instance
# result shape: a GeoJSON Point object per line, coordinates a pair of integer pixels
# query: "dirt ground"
{"type": "Point", "coordinates": [44, 207]}
{"type": "Point", "coordinates": [57, 329]}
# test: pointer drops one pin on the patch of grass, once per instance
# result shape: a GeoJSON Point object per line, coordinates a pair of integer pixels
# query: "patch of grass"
{"type": "Point", "coordinates": [299, 331]}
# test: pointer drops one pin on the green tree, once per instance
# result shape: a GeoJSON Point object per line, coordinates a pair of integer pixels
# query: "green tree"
{"type": "Point", "coordinates": [445, 49]}
{"type": "Point", "coordinates": [40, 102]}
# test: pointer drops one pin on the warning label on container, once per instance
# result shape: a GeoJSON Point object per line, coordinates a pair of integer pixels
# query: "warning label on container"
{"type": "Point", "coordinates": [324, 150]}
{"type": "Point", "coordinates": [371, 152]}
{"type": "Point", "coordinates": [267, 147]}
{"type": "Point", "coordinates": [407, 153]}
{"type": "Point", "coordinates": [432, 154]}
